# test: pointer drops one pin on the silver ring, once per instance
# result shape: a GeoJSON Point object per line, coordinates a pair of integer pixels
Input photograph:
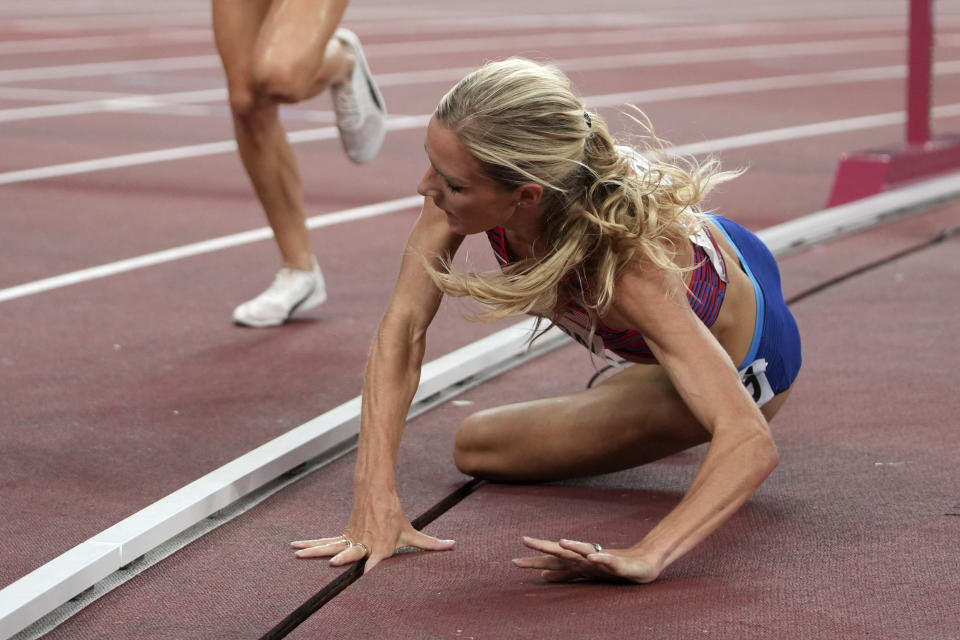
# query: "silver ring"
{"type": "Point", "coordinates": [596, 546]}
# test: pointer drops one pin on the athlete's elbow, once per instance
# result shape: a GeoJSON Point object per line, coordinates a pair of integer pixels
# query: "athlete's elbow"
{"type": "Point", "coordinates": [764, 455]}
{"type": "Point", "coordinates": [754, 448]}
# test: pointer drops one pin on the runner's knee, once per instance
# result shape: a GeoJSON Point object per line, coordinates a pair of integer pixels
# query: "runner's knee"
{"type": "Point", "coordinates": [472, 449]}
{"type": "Point", "coordinates": [250, 111]}
{"type": "Point", "coordinates": [287, 79]}
{"type": "Point", "coordinates": [277, 80]}
{"type": "Point", "coordinates": [242, 103]}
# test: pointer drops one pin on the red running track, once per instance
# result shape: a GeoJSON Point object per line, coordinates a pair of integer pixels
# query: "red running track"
{"type": "Point", "coordinates": [119, 390]}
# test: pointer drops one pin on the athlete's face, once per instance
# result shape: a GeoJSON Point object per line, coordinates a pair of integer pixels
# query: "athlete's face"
{"type": "Point", "coordinates": [456, 183]}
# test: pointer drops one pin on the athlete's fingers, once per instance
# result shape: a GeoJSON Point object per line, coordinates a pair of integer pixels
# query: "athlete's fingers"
{"type": "Point", "coordinates": [304, 544]}
{"type": "Point", "coordinates": [322, 550]}
{"type": "Point", "coordinates": [550, 547]}
{"type": "Point", "coordinates": [423, 541]}
{"type": "Point", "coordinates": [542, 562]}
{"type": "Point", "coordinates": [351, 554]}
{"type": "Point", "coordinates": [606, 561]}
{"type": "Point", "coordinates": [583, 548]}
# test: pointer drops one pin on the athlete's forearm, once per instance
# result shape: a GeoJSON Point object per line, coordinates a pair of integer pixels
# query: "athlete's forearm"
{"type": "Point", "coordinates": [390, 383]}
{"type": "Point", "coordinates": [731, 471]}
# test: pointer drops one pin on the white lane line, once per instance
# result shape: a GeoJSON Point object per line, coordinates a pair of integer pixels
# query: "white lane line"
{"type": "Point", "coordinates": [773, 83]}
{"type": "Point", "coordinates": [670, 58]}
{"type": "Point", "coordinates": [55, 95]}
{"type": "Point", "coordinates": [807, 131]}
{"type": "Point", "coordinates": [641, 98]}
{"type": "Point", "coordinates": [108, 68]}
{"type": "Point", "coordinates": [709, 146]}
{"type": "Point", "coordinates": [199, 248]}
{"type": "Point", "coordinates": [422, 47]}
{"type": "Point", "coordinates": [101, 7]}
{"type": "Point", "coordinates": [95, 43]}
{"type": "Point", "coordinates": [681, 56]}
{"type": "Point", "coordinates": [114, 103]}
{"type": "Point", "coordinates": [756, 13]}
{"type": "Point", "coordinates": [59, 25]}
{"type": "Point", "coordinates": [51, 585]}
{"type": "Point", "coordinates": [637, 60]}
{"type": "Point", "coordinates": [180, 153]}
{"type": "Point", "coordinates": [129, 160]}
{"type": "Point", "coordinates": [399, 21]}
{"type": "Point", "coordinates": [671, 34]}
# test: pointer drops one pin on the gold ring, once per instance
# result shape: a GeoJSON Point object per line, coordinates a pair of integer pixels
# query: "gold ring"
{"type": "Point", "coordinates": [346, 541]}
{"type": "Point", "coordinates": [366, 550]}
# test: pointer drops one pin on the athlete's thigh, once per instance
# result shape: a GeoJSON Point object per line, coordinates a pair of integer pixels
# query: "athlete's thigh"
{"type": "Point", "coordinates": [296, 32]}
{"type": "Point", "coordinates": [236, 28]}
{"type": "Point", "coordinates": [632, 418]}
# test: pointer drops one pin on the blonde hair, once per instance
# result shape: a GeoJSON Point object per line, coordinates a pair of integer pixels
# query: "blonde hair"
{"type": "Point", "coordinates": [522, 122]}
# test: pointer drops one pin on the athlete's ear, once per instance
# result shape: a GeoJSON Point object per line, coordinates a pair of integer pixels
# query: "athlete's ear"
{"type": "Point", "coordinates": [528, 195]}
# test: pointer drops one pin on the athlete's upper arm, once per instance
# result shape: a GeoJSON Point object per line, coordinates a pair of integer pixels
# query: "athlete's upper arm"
{"type": "Point", "coordinates": [415, 296]}
{"type": "Point", "coordinates": [701, 370]}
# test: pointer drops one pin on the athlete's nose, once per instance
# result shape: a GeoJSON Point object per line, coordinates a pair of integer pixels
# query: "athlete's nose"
{"type": "Point", "coordinates": [428, 185]}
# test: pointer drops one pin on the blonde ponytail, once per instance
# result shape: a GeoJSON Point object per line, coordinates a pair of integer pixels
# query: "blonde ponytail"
{"type": "Point", "coordinates": [602, 203]}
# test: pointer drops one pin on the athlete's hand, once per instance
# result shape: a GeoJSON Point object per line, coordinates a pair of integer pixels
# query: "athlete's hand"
{"type": "Point", "coordinates": [567, 560]}
{"type": "Point", "coordinates": [377, 528]}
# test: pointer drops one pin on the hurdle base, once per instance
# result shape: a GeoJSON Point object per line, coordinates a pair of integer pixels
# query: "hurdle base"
{"type": "Point", "coordinates": [869, 172]}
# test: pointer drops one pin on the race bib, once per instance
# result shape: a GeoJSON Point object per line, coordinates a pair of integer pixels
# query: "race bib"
{"type": "Point", "coordinates": [754, 378]}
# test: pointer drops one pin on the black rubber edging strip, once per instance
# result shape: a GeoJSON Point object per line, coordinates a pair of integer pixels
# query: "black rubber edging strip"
{"type": "Point", "coordinates": [939, 237]}
{"type": "Point", "coordinates": [351, 575]}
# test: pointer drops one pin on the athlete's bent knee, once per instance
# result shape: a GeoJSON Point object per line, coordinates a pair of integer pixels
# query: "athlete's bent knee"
{"type": "Point", "coordinates": [286, 81]}
{"type": "Point", "coordinates": [274, 82]}
{"type": "Point", "coordinates": [470, 454]}
{"type": "Point", "coordinates": [250, 112]}
{"type": "Point", "coordinates": [243, 104]}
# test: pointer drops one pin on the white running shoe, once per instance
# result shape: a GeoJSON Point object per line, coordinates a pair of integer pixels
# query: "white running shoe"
{"type": "Point", "coordinates": [292, 290]}
{"type": "Point", "coordinates": [361, 112]}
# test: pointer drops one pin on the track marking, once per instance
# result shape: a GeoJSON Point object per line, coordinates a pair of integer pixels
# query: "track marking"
{"type": "Point", "coordinates": [611, 35]}
{"type": "Point", "coordinates": [199, 248]}
{"type": "Point", "coordinates": [349, 215]}
{"type": "Point", "coordinates": [641, 97]}
{"type": "Point", "coordinates": [55, 95]}
{"type": "Point", "coordinates": [152, 103]}
{"type": "Point", "coordinates": [395, 123]}
{"type": "Point", "coordinates": [90, 69]}
{"type": "Point", "coordinates": [633, 60]}
{"type": "Point", "coordinates": [395, 21]}
{"type": "Point", "coordinates": [129, 102]}
{"type": "Point", "coordinates": [97, 43]}
{"type": "Point", "coordinates": [683, 56]}
{"type": "Point", "coordinates": [773, 83]}
{"type": "Point", "coordinates": [808, 131]}
{"type": "Point", "coordinates": [667, 33]}
{"type": "Point", "coordinates": [53, 584]}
